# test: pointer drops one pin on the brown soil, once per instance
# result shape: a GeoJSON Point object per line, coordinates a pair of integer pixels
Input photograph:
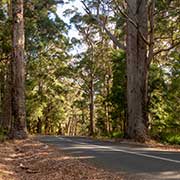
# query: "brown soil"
{"type": "Point", "coordinates": [32, 160]}
{"type": "Point", "coordinates": [154, 144]}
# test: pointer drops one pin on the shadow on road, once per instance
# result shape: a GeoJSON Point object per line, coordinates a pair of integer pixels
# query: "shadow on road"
{"type": "Point", "coordinates": [120, 158]}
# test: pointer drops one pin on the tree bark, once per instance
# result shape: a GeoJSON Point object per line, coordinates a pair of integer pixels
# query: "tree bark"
{"type": "Point", "coordinates": [18, 129]}
{"type": "Point", "coordinates": [2, 92]}
{"type": "Point", "coordinates": [137, 69]}
{"type": "Point", "coordinates": [69, 126]}
{"type": "Point", "coordinates": [91, 106]}
{"type": "Point", "coordinates": [39, 126]}
{"type": "Point", "coordinates": [46, 126]}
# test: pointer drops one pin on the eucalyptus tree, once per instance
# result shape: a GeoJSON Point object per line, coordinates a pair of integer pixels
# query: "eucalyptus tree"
{"type": "Point", "coordinates": [18, 128]}
{"type": "Point", "coordinates": [136, 62]}
{"type": "Point", "coordinates": [95, 70]}
{"type": "Point", "coordinates": [140, 48]}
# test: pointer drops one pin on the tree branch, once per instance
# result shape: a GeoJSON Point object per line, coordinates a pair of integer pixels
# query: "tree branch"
{"type": "Point", "coordinates": [166, 49]}
{"type": "Point", "coordinates": [101, 24]}
{"type": "Point", "coordinates": [132, 22]}
{"type": "Point", "coordinates": [151, 36]}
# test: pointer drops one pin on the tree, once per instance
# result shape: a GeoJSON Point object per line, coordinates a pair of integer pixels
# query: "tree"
{"type": "Point", "coordinates": [137, 69]}
{"type": "Point", "coordinates": [136, 63]}
{"type": "Point", "coordinates": [18, 128]}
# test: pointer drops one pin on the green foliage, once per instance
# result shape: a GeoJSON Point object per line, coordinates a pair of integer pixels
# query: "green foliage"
{"type": "Point", "coordinates": [164, 79]}
{"type": "Point", "coordinates": [117, 96]}
{"type": "Point", "coordinates": [170, 138]}
{"type": "Point", "coordinates": [46, 83]}
{"type": "Point", "coordinates": [101, 123]}
{"type": "Point", "coordinates": [164, 101]}
{"type": "Point", "coordinates": [3, 135]}
{"type": "Point", "coordinates": [117, 135]}
{"type": "Point", "coordinates": [118, 88]}
{"type": "Point", "coordinates": [157, 95]}
{"type": "Point", "coordinates": [5, 27]}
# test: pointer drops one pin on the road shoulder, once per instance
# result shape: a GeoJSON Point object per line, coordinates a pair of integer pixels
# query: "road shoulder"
{"type": "Point", "coordinates": [30, 159]}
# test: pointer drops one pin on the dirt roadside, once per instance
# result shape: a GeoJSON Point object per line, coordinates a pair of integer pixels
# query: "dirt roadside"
{"type": "Point", "coordinates": [32, 160]}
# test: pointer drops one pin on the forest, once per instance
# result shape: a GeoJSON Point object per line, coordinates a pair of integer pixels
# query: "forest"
{"type": "Point", "coordinates": [116, 76]}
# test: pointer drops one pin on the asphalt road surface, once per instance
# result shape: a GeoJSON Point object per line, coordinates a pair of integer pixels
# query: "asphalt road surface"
{"type": "Point", "coordinates": [146, 162]}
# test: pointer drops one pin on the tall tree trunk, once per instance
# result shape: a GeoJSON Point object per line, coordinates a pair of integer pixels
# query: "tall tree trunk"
{"type": "Point", "coordinates": [46, 126]}
{"type": "Point", "coordinates": [75, 121]}
{"type": "Point", "coordinates": [69, 125]}
{"type": "Point", "coordinates": [137, 31]}
{"type": "Point", "coordinates": [91, 106]}
{"type": "Point", "coordinates": [39, 126]}
{"type": "Point", "coordinates": [2, 92]}
{"type": "Point", "coordinates": [108, 125]}
{"type": "Point", "coordinates": [40, 91]}
{"type": "Point", "coordinates": [18, 129]}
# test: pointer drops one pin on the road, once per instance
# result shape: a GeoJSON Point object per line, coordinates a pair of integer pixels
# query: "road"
{"type": "Point", "coordinates": [121, 157]}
